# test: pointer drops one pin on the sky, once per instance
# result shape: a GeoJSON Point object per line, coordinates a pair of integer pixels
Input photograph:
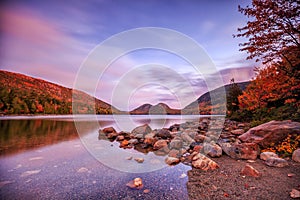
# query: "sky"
{"type": "Point", "coordinates": [55, 40]}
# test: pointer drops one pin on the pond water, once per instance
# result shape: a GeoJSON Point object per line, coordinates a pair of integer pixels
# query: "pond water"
{"type": "Point", "coordinates": [53, 157]}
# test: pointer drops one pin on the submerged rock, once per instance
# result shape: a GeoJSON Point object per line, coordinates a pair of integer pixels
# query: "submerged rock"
{"type": "Point", "coordinates": [139, 160]}
{"type": "Point", "coordinates": [136, 183]}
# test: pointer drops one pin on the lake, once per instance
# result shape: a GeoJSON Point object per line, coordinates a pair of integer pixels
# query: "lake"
{"type": "Point", "coordinates": [61, 157]}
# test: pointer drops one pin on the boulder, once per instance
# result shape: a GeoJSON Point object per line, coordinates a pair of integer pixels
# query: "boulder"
{"type": "Point", "coordinates": [172, 160]}
{"type": "Point", "coordinates": [271, 132]}
{"type": "Point", "coordinates": [266, 155]}
{"type": "Point", "coordinates": [160, 144]}
{"type": "Point", "coordinates": [144, 129]}
{"type": "Point", "coordinates": [296, 155]}
{"type": "Point", "coordinates": [276, 162]}
{"type": "Point", "coordinates": [247, 151]}
{"type": "Point", "coordinates": [164, 134]}
{"type": "Point", "coordinates": [202, 162]}
{"type": "Point", "coordinates": [248, 170]}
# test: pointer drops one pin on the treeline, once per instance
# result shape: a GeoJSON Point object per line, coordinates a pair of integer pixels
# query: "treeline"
{"type": "Point", "coordinates": [18, 101]}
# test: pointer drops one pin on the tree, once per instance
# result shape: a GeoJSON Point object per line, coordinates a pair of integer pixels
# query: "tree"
{"type": "Point", "coordinates": [232, 97]}
{"type": "Point", "coordinates": [273, 31]}
{"type": "Point", "coordinates": [272, 94]}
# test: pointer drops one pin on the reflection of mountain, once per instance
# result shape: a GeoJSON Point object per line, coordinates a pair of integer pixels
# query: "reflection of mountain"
{"type": "Point", "coordinates": [157, 109]}
{"type": "Point", "coordinates": [20, 94]}
{"type": "Point", "coordinates": [20, 135]}
{"type": "Point", "coordinates": [203, 104]}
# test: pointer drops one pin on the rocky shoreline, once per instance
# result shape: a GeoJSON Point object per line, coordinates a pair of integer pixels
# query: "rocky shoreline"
{"type": "Point", "coordinates": [197, 143]}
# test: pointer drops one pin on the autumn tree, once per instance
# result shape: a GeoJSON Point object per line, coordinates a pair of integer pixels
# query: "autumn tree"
{"type": "Point", "coordinates": [273, 30]}
{"type": "Point", "coordinates": [273, 37]}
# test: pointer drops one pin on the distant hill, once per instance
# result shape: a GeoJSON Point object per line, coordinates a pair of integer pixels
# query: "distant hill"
{"type": "Point", "coordinates": [157, 109]}
{"type": "Point", "coordinates": [203, 104]}
{"type": "Point", "coordinates": [21, 94]}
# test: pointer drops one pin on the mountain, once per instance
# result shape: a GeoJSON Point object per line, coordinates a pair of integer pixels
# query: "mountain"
{"type": "Point", "coordinates": [203, 104]}
{"type": "Point", "coordinates": [157, 109]}
{"type": "Point", "coordinates": [21, 94]}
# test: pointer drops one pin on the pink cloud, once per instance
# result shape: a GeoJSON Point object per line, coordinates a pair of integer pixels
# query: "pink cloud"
{"type": "Point", "coordinates": [35, 45]}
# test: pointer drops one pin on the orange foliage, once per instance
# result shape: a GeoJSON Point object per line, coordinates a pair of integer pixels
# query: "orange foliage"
{"type": "Point", "coordinates": [271, 87]}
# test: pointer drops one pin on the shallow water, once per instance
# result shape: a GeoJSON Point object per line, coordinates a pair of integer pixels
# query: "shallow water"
{"type": "Point", "coordinates": [51, 157]}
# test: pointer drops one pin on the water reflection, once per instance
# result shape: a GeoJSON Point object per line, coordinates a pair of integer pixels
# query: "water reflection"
{"type": "Point", "coordinates": [20, 135]}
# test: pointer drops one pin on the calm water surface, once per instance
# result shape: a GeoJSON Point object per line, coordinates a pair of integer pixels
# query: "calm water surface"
{"type": "Point", "coordinates": [53, 157]}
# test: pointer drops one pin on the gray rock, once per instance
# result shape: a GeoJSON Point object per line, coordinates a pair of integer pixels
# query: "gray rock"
{"type": "Point", "coordinates": [164, 134]}
{"type": "Point", "coordinates": [175, 144]}
{"type": "Point", "coordinates": [187, 138]}
{"type": "Point", "coordinates": [139, 136]}
{"type": "Point", "coordinates": [213, 150]}
{"type": "Point", "coordinates": [271, 132]}
{"type": "Point", "coordinates": [144, 129]}
{"type": "Point", "coordinates": [133, 141]}
{"type": "Point", "coordinates": [296, 155]}
{"type": "Point", "coordinates": [276, 162]}
{"type": "Point", "coordinates": [247, 151]}
{"type": "Point", "coordinates": [266, 155]}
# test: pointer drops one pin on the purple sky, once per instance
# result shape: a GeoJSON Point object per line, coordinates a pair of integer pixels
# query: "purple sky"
{"type": "Point", "coordinates": [51, 39]}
